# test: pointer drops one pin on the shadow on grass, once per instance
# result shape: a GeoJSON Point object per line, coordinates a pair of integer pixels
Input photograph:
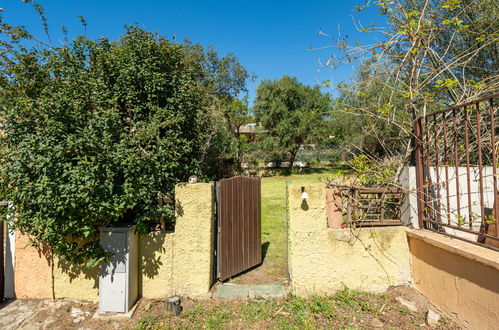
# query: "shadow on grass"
{"type": "Point", "coordinates": [265, 248]}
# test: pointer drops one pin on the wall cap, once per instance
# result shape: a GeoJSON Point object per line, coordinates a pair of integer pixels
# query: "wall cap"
{"type": "Point", "coordinates": [468, 250]}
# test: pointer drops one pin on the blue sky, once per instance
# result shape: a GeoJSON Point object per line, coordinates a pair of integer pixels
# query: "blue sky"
{"type": "Point", "coordinates": [271, 38]}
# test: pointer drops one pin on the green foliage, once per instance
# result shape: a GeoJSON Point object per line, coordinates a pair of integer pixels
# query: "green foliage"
{"type": "Point", "coordinates": [371, 172]}
{"type": "Point", "coordinates": [291, 115]}
{"type": "Point", "coordinates": [95, 130]}
{"type": "Point", "coordinates": [431, 54]}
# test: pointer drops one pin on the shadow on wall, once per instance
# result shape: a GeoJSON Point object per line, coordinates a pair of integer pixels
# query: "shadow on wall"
{"type": "Point", "coordinates": [79, 271]}
{"type": "Point", "coordinates": [304, 205]}
{"type": "Point", "coordinates": [45, 252]}
{"type": "Point", "coordinates": [152, 247]}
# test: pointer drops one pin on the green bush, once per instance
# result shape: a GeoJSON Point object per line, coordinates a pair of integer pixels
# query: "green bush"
{"type": "Point", "coordinates": [94, 131]}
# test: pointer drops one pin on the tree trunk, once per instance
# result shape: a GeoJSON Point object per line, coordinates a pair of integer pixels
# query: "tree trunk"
{"type": "Point", "coordinates": [292, 158]}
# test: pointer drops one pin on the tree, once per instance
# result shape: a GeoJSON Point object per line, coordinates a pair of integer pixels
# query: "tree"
{"type": "Point", "coordinates": [225, 79]}
{"type": "Point", "coordinates": [291, 115]}
{"type": "Point", "coordinates": [430, 54]}
{"type": "Point", "coordinates": [96, 130]}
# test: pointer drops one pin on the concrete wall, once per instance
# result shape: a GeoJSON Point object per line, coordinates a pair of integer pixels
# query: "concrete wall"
{"type": "Point", "coordinates": [323, 260]}
{"type": "Point", "coordinates": [409, 213]}
{"type": "Point", "coordinates": [458, 277]}
{"type": "Point", "coordinates": [170, 263]}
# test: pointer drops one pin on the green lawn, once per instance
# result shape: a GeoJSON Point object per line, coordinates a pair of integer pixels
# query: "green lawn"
{"type": "Point", "coordinates": [274, 214]}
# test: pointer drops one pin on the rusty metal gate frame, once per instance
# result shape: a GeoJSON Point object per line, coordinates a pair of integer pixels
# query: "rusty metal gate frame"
{"type": "Point", "coordinates": [440, 144]}
{"type": "Point", "coordinates": [252, 256]}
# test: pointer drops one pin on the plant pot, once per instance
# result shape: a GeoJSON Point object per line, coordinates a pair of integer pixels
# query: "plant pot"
{"type": "Point", "coordinates": [334, 206]}
{"type": "Point", "coordinates": [492, 230]}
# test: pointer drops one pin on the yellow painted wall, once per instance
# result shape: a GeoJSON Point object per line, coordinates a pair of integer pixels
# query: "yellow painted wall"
{"type": "Point", "coordinates": [170, 263]}
{"type": "Point", "coordinates": [323, 260]}
{"type": "Point", "coordinates": [193, 243]}
{"type": "Point", "coordinates": [156, 263]}
{"type": "Point", "coordinates": [460, 278]}
{"type": "Point", "coordinates": [75, 282]}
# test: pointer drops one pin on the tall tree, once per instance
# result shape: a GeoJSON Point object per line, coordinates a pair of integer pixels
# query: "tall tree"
{"type": "Point", "coordinates": [430, 54]}
{"type": "Point", "coordinates": [292, 114]}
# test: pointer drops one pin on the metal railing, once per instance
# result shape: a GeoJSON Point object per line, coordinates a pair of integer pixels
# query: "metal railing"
{"type": "Point", "coordinates": [456, 171]}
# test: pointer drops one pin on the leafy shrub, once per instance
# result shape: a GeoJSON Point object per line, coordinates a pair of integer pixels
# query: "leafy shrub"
{"type": "Point", "coordinates": [94, 131]}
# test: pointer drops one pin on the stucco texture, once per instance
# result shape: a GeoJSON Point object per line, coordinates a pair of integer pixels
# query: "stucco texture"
{"type": "Point", "coordinates": [458, 277]}
{"type": "Point", "coordinates": [33, 270]}
{"type": "Point", "coordinates": [193, 242]}
{"type": "Point", "coordinates": [179, 262]}
{"type": "Point", "coordinates": [323, 260]}
{"type": "Point", "coordinates": [156, 263]}
{"type": "Point", "coordinates": [75, 282]}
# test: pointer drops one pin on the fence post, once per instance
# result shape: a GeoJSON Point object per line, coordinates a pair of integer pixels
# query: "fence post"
{"type": "Point", "coordinates": [419, 171]}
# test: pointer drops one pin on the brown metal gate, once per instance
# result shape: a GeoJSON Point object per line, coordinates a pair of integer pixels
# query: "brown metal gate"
{"type": "Point", "coordinates": [239, 225]}
{"type": "Point", "coordinates": [456, 171]}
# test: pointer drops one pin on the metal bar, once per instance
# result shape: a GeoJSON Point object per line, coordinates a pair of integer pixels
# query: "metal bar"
{"type": "Point", "coordinates": [428, 182]}
{"type": "Point", "coordinates": [494, 163]}
{"type": "Point", "coordinates": [437, 170]}
{"type": "Point", "coordinates": [485, 235]}
{"type": "Point", "coordinates": [463, 105]}
{"type": "Point", "coordinates": [456, 160]}
{"type": "Point", "coordinates": [480, 166]}
{"type": "Point", "coordinates": [465, 240]}
{"type": "Point", "coordinates": [419, 172]}
{"type": "Point", "coordinates": [446, 161]}
{"type": "Point", "coordinates": [468, 180]}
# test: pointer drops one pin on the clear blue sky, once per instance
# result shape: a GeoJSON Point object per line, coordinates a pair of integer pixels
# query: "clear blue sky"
{"type": "Point", "coordinates": [271, 38]}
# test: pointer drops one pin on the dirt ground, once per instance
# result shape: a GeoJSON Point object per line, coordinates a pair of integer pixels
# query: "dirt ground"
{"type": "Point", "coordinates": [345, 309]}
{"type": "Point", "coordinates": [261, 274]}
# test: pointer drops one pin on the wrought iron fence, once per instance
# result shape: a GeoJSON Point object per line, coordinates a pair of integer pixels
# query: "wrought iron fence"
{"type": "Point", "coordinates": [456, 171]}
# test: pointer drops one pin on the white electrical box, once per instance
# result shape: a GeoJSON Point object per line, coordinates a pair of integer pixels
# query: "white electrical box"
{"type": "Point", "coordinates": [118, 280]}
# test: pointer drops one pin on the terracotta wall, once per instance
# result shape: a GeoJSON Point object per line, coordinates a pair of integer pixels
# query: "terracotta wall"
{"type": "Point", "coordinates": [33, 270]}
{"type": "Point", "coordinates": [460, 278]}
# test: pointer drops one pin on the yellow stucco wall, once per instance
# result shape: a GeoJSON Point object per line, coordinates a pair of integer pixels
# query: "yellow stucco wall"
{"type": "Point", "coordinates": [75, 282]}
{"type": "Point", "coordinates": [156, 263]}
{"type": "Point", "coordinates": [193, 243]}
{"type": "Point", "coordinates": [460, 278]}
{"type": "Point", "coordinates": [170, 263]}
{"type": "Point", "coordinates": [323, 260]}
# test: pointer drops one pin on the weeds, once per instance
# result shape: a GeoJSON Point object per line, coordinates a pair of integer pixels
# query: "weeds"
{"type": "Point", "coordinates": [346, 309]}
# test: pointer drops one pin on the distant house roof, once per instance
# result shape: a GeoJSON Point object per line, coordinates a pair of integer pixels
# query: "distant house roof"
{"type": "Point", "coordinates": [250, 128]}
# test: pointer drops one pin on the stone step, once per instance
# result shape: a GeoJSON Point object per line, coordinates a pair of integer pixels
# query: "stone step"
{"type": "Point", "coordinates": [230, 290]}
